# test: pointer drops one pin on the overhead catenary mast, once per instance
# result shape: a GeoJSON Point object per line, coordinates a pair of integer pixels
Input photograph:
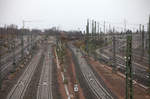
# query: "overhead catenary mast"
{"type": "Point", "coordinates": [114, 54]}
{"type": "Point", "coordinates": [142, 53]}
{"type": "Point", "coordinates": [149, 55]}
{"type": "Point", "coordinates": [129, 75]}
{"type": "Point", "coordinates": [22, 40]}
{"type": "Point", "coordinates": [104, 26]}
{"type": "Point", "coordinates": [87, 37]}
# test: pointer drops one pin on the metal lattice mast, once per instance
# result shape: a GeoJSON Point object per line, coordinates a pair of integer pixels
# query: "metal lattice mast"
{"type": "Point", "coordinates": [149, 54]}
{"type": "Point", "coordinates": [87, 36]}
{"type": "Point", "coordinates": [94, 29]}
{"type": "Point", "coordinates": [142, 54]}
{"type": "Point", "coordinates": [98, 31]}
{"type": "Point", "coordinates": [28, 40]}
{"type": "Point", "coordinates": [0, 57]}
{"type": "Point", "coordinates": [114, 53]}
{"type": "Point", "coordinates": [31, 42]}
{"type": "Point", "coordinates": [104, 27]}
{"type": "Point", "coordinates": [130, 66]}
{"type": "Point", "coordinates": [129, 75]}
{"type": "Point", "coordinates": [127, 71]}
{"type": "Point", "coordinates": [22, 44]}
{"type": "Point", "coordinates": [22, 41]}
{"type": "Point", "coordinates": [14, 58]}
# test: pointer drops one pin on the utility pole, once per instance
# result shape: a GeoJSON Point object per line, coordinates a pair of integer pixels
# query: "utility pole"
{"type": "Point", "coordinates": [129, 75]}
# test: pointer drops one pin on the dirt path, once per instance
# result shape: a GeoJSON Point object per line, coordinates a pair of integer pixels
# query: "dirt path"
{"type": "Point", "coordinates": [61, 88]}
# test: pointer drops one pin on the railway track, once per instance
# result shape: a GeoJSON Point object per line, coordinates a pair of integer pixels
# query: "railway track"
{"type": "Point", "coordinates": [97, 87]}
{"type": "Point", "coordinates": [45, 84]}
{"type": "Point", "coordinates": [19, 89]}
{"type": "Point", "coordinates": [7, 57]}
{"type": "Point", "coordinates": [6, 68]}
{"type": "Point", "coordinates": [139, 72]}
{"type": "Point", "coordinates": [7, 61]}
{"type": "Point", "coordinates": [10, 56]}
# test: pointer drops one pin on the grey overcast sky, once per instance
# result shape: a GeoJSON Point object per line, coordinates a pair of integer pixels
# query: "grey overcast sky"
{"type": "Point", "coordinates": [72, 14]}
